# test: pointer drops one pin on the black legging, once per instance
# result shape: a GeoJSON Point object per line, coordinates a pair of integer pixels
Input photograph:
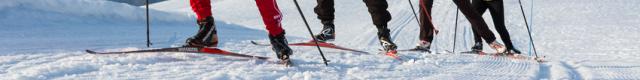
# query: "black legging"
{"type": "Point", "coordinates": [496, 8]}
{"type": "Point", "coordinates": [477, 23]}
{"type": "Point", "coordinates": [377, 9]}
{"type": "Point", "coordinates": [426, 26]}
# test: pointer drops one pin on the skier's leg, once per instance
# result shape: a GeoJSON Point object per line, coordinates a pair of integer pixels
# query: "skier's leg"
{"type": "Point", "coordinates": [271, 17]}
{"type": "Point", "coordinates": [475, 19]}
{"type": "Point", "coordinates": [497, 13]}
{"type": "Point", "coordinates": [426, 26]}
{"type": "Point", "coordinates": [202, 8]}
{"type": "Point", "coordinates": [380, 16]}
{"type": "Point", "coordinates": [479, 6]}
{"type": "Point", "coordinates": [207, 35]}
{"type": "Point", "coordinates": [478, 23]}
{"type": "Point", "coordinates": [378, 11]}
{"type": "Point", "coordinates": [325, 12]}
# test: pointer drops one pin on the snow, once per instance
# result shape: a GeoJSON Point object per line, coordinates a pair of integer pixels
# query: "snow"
{"type": "Point", "coordinates": [45, 39]}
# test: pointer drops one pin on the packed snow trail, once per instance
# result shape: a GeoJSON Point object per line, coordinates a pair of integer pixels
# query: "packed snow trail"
{"type": "Point", "coordinates": [582, 39]}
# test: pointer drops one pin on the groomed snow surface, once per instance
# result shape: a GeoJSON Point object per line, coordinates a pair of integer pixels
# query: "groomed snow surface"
{"type": "Point", "coordinates": [45, 39]}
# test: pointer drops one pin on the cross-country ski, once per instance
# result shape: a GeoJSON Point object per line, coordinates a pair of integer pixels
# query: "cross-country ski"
{"type": "Point", "coordinates": [215, 51]}
{"type": "Point", "coordinates": [506, 55]}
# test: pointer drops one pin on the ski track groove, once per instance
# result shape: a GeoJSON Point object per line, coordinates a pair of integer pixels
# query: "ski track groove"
{"type": "Point", "coordinates": [544, 72]}
{"type": "Point", "coordinates": [610, 71]}
{"type": "Point", "coordinates": [401, 24]}
{"type": "Point", "coordinates": [572, 71]}
{"type": "Point", "coordinates": [501, 66]}
{"type": "Point", "coordinates": [54, 67]}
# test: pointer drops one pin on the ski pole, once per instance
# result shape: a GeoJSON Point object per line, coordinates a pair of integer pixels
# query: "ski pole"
{"type": "Point", "coordinates": [455, 30]}
{"type": "Point", "coordinates": [147, 14]}
{"type": "Point", "coordinates": [414, 12]}
{"type": "Point", "coordinates": [311, 33]}
{"type": "Point", "coordinates": [529, 31]}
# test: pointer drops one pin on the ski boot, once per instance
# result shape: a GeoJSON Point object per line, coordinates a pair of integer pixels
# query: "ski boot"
{"type": "Point", "coordinates": [477, 47]}
{"type": "Point", "coordinates": [327, 33]}
{"type": "Point", "coordinates": [500, 49]}
{"type": "Point", "coordinates": [423, 46]}
{"type": "Point", "coordinates": [513, 51]}
{"type": "Point", "coordinates": [279, 45]}
{"type": "Point", "coordinates": [385, 41]}
{"type": "Point", "coordinates": [206, 36]}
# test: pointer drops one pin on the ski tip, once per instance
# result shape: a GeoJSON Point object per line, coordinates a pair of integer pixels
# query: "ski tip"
{"type": "Point", "coordinates": [90, 51]}
{"type": "Point", "coordinates": [254, 42]}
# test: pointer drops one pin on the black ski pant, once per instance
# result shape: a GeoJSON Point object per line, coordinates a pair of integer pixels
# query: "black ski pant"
{"type": "Point", "coordinates": [475, 18]}
{"type": "Point", "coordinates": [496, 8]}
{"type": "Point", "coordinates": [426, 26]}
{"type": "Point", "coordinates": [377, 8]}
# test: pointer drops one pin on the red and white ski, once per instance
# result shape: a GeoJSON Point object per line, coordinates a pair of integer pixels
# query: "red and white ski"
{"type": "Point", "coordinates": [215, 51]}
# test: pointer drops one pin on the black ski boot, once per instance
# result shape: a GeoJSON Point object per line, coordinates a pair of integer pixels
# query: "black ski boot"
{"type": "Point", "coordinates": [385, 39]}
{"type": "Point", "coordinates": [327, 33]}
{"type": "Point", "coordinates": [206, 36]}
{"type": "Point", "coordinates": [279, 45]}
{"type": "Point", "coordinates": [477, 47]}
